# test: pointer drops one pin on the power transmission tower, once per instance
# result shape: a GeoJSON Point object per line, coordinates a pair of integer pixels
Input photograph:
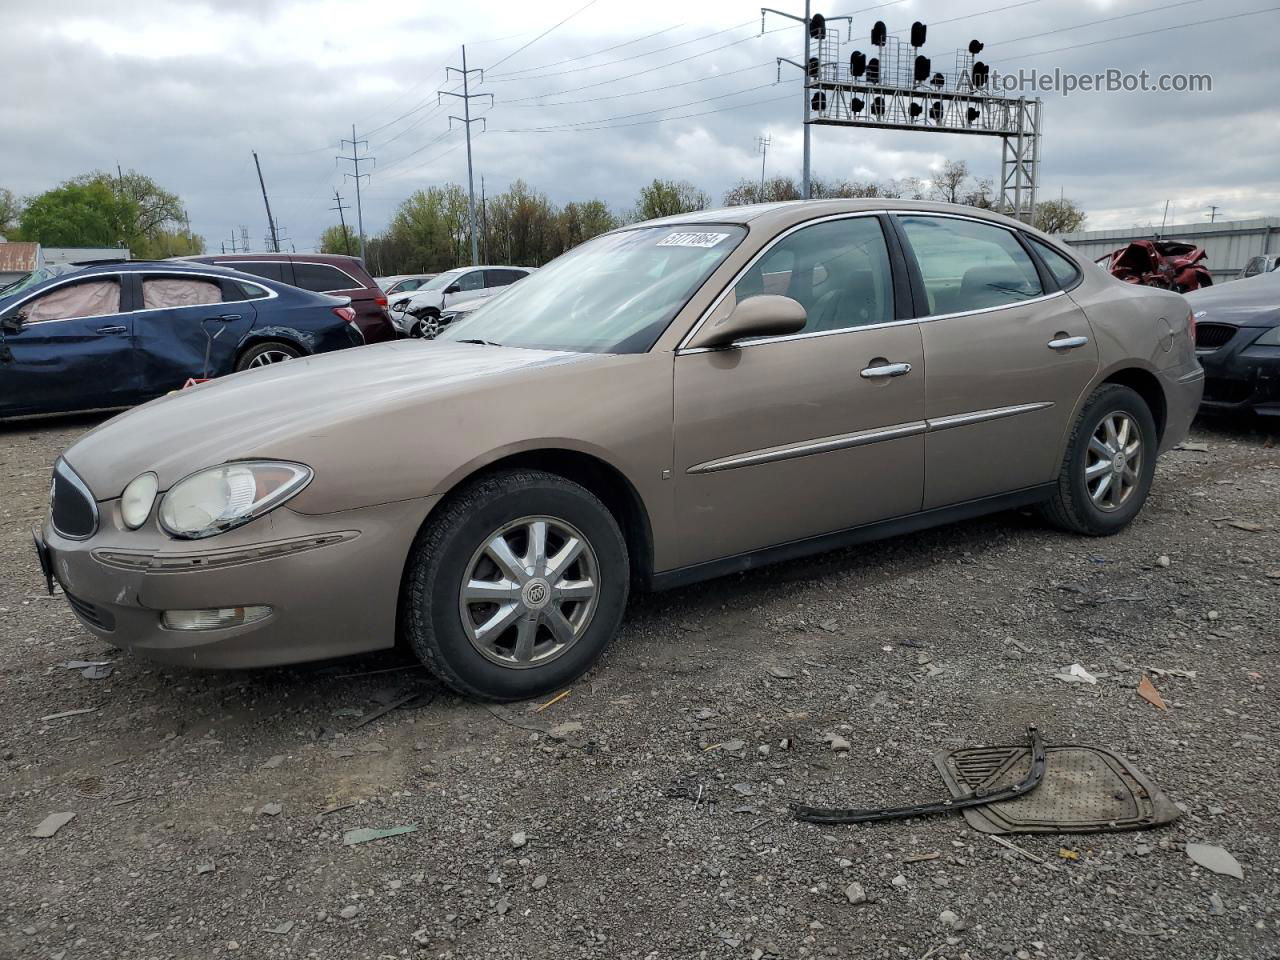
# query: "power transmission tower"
{"type": "Point", "coordinates": [244, 239]}
{"type": "Point", "coordinates": [466, 96]}
{"type": "Point", "coordinates": [271, 223]}
{"type": "Point", "coordinates": [807, 22]}
{"type": "Point", "coordinates": [762, 148]}
{"type": "Point", "coordinates": [346, 237]}
{"type": "Point", "coordinates": [1213, 213]}
{"type": "Point", "coordinates": [355, 160]}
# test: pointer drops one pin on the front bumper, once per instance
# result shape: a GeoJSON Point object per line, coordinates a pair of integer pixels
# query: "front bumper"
{"type": "Point", "coordinates": [332, 582]}
{"type": "Point", "coordinates": [1242, 377]}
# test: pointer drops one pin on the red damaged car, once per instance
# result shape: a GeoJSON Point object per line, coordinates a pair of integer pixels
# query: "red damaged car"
{"type": "Point", "coordinates": [1167, 264]}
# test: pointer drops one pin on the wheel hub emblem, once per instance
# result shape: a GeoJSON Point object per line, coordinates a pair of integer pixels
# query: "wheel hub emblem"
{"type": "Point", "coordinates": [536, 593]}
{"type": "Point", "coordinates": [1117, 462]}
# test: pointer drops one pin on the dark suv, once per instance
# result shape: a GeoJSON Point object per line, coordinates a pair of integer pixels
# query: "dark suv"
{"type": "Point", "coordinates": [322, 273]}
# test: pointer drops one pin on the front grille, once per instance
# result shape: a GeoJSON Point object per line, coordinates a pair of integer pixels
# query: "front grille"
{"type": "Point", "coordinates": [94, 616]}
{"type": "Point", "coordinates": [1211, 336]}
{"type": "Point", "coordinates": [71, 505]}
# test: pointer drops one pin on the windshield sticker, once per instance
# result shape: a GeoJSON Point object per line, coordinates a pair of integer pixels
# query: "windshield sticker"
{"type": "Point", "coordinates": [692, 239]}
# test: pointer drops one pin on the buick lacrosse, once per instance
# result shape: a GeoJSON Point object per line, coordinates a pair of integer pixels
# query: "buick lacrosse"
{"type": "Point", "coordinates": [668, 402]}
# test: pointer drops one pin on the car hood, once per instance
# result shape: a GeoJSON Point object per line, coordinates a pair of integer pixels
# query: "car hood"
{"type": "Point", "coordinates": [1253, 302]}
{"type": "Point", "coordinates": [296, 410]}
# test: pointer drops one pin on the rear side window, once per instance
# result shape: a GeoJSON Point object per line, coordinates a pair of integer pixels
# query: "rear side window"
{"type": "Point", "coordinates": [322, 278]}
{"type": "Point", "coordinates": [235, 291]}
{"type": "Point", "coordinates": [503, 278]}
{"type": "Point", "coordinates": [268, 270]}
{"type": "Point", "coordinates": [161, 292]}
{"type": "Point", "coordinates": [967, 265]}
{"type": "Point", "coordinates": [1063, 270]}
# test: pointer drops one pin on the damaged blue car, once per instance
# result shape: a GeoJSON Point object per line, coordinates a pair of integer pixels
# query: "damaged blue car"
{"type": "Point", "coordinates": [110, 335]}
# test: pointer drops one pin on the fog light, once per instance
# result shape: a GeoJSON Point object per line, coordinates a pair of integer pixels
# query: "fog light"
{"type": "Point", "coordinates": [217, 619]}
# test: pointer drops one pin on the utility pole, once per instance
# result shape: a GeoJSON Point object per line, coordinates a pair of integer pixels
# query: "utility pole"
{"type": "Point", "coordinates": [762, 148]}
{"type": "Point", "coordinates": [484, 220]}
{"type": "Point", "coordinates": [346, 238]}
{"type": "Point", "coordinates": [271, 224]}
{"type": "Point", "coordinates": [355, 160]}
{"type": "Point", "coordinates": [1213, 213]}
{"type": "Point", "coordinates": [466, 96]}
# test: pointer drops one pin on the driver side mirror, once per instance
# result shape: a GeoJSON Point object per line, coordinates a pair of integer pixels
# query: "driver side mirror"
{"type": "Point", "coordinates": [453, 288]}
{"type": "Point", "coordinates": [13, 323]}
{"type": "Point", "coordinates": [767, 315]}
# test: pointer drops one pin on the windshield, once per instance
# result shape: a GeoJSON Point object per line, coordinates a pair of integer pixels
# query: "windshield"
{"type": "Point", "coordinates": [34, 277]}
{"type": "Point", "coordinates": [613, 294]}
{"type": "Point", "coordinates": [442, 280]}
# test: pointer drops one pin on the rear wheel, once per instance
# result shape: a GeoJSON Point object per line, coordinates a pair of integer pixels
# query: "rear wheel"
{"type": "Point", "coordinates": [516, 587]}
{"type": "Point", "coordinates": [265, 354]}
{"type": "Point", "coordinates": [1109, 464]}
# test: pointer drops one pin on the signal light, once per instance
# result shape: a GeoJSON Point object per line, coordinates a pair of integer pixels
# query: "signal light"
{"type": "Point", "coordinates": [917, 34]}
{"type": "Point", "coordinates": [923, 69]}
{"type": "Point", "coordinates": [915, 109]}
{"type": "Point", "coordinates": [819, 102]}
{"type": "Point", "coordinates": [856, 105]}
{"type": "Point", "coordinates": [980, 74]}
{"type": "Point", "coordinates": [877, 106]}
{"type": "Point", "coordinates": [935, 111]}
{"type": "Point", "coordinates": [818, 27]}
{"type": "Point", "coordinates": [975, 47]}
{"type": "Point", "coordinates": [972, 114]}
{"type": "Point", "coordinates": [879, 34]}
{"type": "Point", "coordinates": [873, 70]}
{"type": "Point", "coordinates": [939, 81]}
{"type": "Point", "coordinates": [857, 63]}
{"type": "Point", "coordinates": [813, 67]}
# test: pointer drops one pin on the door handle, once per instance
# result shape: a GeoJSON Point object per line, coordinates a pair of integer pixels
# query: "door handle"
{"type": "Point", "coordinates": [228, 317]}
{"type": "Point", "coordinates": [112, 329]}
{"type": "Point", "coordinates": [886, 370]}
{"type": "Point", "coordinates": [1064, 342]}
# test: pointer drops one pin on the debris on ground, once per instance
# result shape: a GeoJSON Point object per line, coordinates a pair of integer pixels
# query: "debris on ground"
{"type": "Point", "coordinates": [365, 834]}
{"type": "Point", "coordinates": [68, 713]}
{"type": "Point", "coordinates": [1215, 859]}
{"type": "Point", "coordinates": [52, 824]}
{"type": "Point", "coordinates": [1075, 674]}
{"type": "Point", "coordinates": [91, 669]}
{"type": "Point", "coordinates": [1148, 692]}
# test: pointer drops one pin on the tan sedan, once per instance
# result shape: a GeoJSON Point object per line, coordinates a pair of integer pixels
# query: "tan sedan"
{"type": "Point", "coordinates": [672, 401]}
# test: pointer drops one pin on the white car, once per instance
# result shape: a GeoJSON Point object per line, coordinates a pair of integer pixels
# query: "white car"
{"type": "Point", "coordinates": [404, 283]}
{"type": "Point", "coordinates": [449, 289]}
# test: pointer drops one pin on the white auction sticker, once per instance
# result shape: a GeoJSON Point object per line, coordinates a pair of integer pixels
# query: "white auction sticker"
{"type": "Point", "coordinates": [692, 239]}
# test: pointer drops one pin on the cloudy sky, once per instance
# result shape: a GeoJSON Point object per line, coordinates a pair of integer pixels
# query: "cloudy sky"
{"type": "Point", "coordinates": [185, 91]}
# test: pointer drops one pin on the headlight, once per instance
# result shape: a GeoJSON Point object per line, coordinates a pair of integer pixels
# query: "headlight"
{"type": "Point", "coordinates": [222, 498]}
{"type": "Point", "coordinates": [1269, 339]}
{"type": "Point", "coordinates": [137, 500]}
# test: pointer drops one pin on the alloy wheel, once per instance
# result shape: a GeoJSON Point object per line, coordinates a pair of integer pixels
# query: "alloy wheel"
{"type": "Point", "coordinates": [268, 357]}
{"type": "Point", "coordinates": [529, 592]}
{"type": "Point", "coordinates": [1113, 464]}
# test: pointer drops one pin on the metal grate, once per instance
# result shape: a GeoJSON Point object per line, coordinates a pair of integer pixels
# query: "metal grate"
{"type": "Point", "coordinates": [1211, 336]}
{"type": "Point", "coordinates": [71, 505]}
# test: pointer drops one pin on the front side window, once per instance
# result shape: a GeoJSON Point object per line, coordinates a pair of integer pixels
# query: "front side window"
{"type": "Point", "coordinates": [615, 293]}
{"type": "Point", "coordinates": [88, 298]}
{"type": "Point", "coordinates": [321, 278]}
{"type": "Point", "coordinates": [162, 292]}
{"type": "Point", "coordinates": [1254, 268]}
{"type": "Point", "coordinates": [1063, 270]}
{"type": "Point", "coordinates": [967, 265]}
{"type": "Point", "coordinates": [471, 281]}
{"type": "Point", "coordinates": [838, 271]}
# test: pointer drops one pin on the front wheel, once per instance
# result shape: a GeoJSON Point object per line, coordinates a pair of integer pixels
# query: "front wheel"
{"type": "Point", "coordinates": [516, 587]}
{"type": "Point", "coordinates": [1109, 464]}
{"type": "Point", "coordinates": [426, 326]}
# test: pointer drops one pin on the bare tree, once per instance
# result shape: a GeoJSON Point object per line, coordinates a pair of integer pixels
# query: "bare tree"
{"type": "Point", "coordinates": [948, 184]}
{"type": "Point", "coordinates": [1059, 216]}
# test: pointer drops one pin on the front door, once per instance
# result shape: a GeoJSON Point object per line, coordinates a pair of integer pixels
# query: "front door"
{"type": "Point", "coordinates": [785, 438]}
{"type": "Point", "coordinates": [1008, 357]}
{"type": "Point", "coordinates": [184, 318]}
{"type": "Point", "coordinates": [74, 352]}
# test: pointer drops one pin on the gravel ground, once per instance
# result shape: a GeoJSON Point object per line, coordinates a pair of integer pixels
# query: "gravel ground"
{"type": "Point", "coordinates": [620, 821]}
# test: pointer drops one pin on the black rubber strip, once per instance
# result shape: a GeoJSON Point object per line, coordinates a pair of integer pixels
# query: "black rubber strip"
{"type": "Point", "coordinates": [975, 799]}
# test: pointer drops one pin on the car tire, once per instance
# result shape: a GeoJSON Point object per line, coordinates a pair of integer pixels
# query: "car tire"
{"type": "Point", "coordinates": [452, 569]}
{"type": "Point", "coordinates": [267, 353]}
{"type": "Point", "coordinates": [1097, 494]}
{"type": "Point", "coordinates": [421, 328]}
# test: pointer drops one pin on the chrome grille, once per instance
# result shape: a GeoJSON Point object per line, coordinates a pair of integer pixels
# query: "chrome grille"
{"type": "Point", "coordinates": [71, 505]}
{"type": "Point", "coordinates": [1211, 336]}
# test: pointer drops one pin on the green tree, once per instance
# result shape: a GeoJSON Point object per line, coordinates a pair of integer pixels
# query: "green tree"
{"type": "Point", "coordinates": [666, 198]}
{"type": "Point", "coordinates": [1059, 216]}
{"type": "Point", "coordinates": [582, 221]}
{"type": "Point", "coordinates": [336, 239]}
{"type": "Point", "coordinates": [10, 211]}
{"type": "Point", "coordinates": [155, 215]}
{"type": "Point", "coordinates": [521, 227]}
{"type": "Point", "coordinates": [77, 215]}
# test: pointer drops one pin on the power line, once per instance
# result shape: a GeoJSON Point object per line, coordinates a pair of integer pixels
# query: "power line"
{"type": "Point", "coordinates": [641, 123]}
{"type": "Point", "coordinates": [556, 26]}
{"type": "Point", "coordinates": [519, 101]}
{"type": "Point", "coordinates": [1146, 33]}
{"type": "Point", "coordinates": [594, 53]}
{"type": "Point", "coordinates": [1094, 23]}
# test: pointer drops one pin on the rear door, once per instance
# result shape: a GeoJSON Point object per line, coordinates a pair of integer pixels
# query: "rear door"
{"type": "Point", "coordinates": [184, 319]}
{"type": "Point", "coordinates": [75, 350]}
{"type": "Point", "coordinates": [1007, 355]}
